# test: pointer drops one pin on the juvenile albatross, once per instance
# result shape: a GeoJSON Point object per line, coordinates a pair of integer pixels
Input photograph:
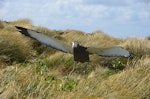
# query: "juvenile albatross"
{"type": "Point", "coordinates": [80, 53]}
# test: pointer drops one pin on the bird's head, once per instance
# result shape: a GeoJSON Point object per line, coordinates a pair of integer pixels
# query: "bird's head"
{"type": "Point", "coordinates": [75, 44]}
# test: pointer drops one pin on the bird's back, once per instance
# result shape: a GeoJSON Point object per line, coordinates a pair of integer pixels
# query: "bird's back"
{"type": "Point", "coordinates": [80, 54]}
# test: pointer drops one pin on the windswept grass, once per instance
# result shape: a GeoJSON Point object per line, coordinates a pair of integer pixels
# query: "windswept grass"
{"type": "Point", "coordinates": [13, 45]}
{"type": "Point", "coordinates": [139, 47]}
{"type": "Point", "coordinates": [25, 82]}
{"type": "Point", "coordinates": [148, 37]}
{"type": "Point", "coordinates": [1, 24]}
{"type": "Point", "coordinates": [30, 70]}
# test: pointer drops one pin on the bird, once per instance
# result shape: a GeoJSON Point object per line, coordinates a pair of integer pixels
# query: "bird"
{"type": "Point", "coordinates": [79, 52]}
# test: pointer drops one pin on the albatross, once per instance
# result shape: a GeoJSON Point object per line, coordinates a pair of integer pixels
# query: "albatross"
{"type": "Point", "coordinates": [80, 53]}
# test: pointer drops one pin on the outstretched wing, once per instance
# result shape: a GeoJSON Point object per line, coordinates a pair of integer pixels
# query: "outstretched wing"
{"type": "Point", "coordinates": [114, 51]}
{"type": "Point", "coordinates": [47, 40]}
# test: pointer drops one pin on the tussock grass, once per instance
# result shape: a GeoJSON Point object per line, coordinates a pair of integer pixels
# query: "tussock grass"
{"type": "Point", "coordinates": [24, 82]}
{"type": "Point", "coordinates": [1, 24]}
{"type": "Point", "coordinates": [131, 83]}
{"type": "Point", "coordinates": [96, 38]}
{"type": "Point", "coordinates": [139, 47]}
{"type": "Point", "coordinates": [22, 22]}
{"type": "Point", "coordinates": [13, 46]}
{"type": "Point", "coordinates": [148, 37]}
{"type": "Point", "coordinates": [34, 71]}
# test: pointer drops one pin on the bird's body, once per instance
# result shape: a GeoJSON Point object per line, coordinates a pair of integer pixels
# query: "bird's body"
{"type": "Point", "coordinates": [80, 53]}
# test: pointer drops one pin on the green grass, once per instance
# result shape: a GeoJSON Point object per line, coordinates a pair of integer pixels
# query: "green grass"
{"type": "Point", "coordinates": [30, 70]}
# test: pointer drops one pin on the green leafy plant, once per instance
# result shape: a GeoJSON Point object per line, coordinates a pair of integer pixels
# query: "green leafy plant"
{"type": "Point", "coordinates": [41, 67]}
{"type": "Point", "coordinates": [118, 64]}
{"type": "Point", "coordinates": [115, 63]}
{"type": "Point", "coordinates": [69, 84]}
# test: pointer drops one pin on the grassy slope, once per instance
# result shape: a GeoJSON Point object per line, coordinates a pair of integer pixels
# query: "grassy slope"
{"type": "Point", "coordinates": [31, 70]}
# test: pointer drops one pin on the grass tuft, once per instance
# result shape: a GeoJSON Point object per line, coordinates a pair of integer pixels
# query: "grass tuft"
{"type": "Point", "coordinates": [139, 47]}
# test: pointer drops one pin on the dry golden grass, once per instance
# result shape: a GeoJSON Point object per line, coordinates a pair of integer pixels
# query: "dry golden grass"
{"type": "Point", "coordinates": [1, 24]}
{"type": "Point", "coordinates": [24, 82]}
{"type": "Point", "coordinates": [30, 70]}
{"type": "Point", "coordinates": [13, 45]}
{"type": "Point", "coordinates": [137, 46]}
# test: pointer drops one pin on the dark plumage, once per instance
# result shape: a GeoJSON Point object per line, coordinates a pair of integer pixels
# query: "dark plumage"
{"type": "Point", "coordinates": [80, 53]}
